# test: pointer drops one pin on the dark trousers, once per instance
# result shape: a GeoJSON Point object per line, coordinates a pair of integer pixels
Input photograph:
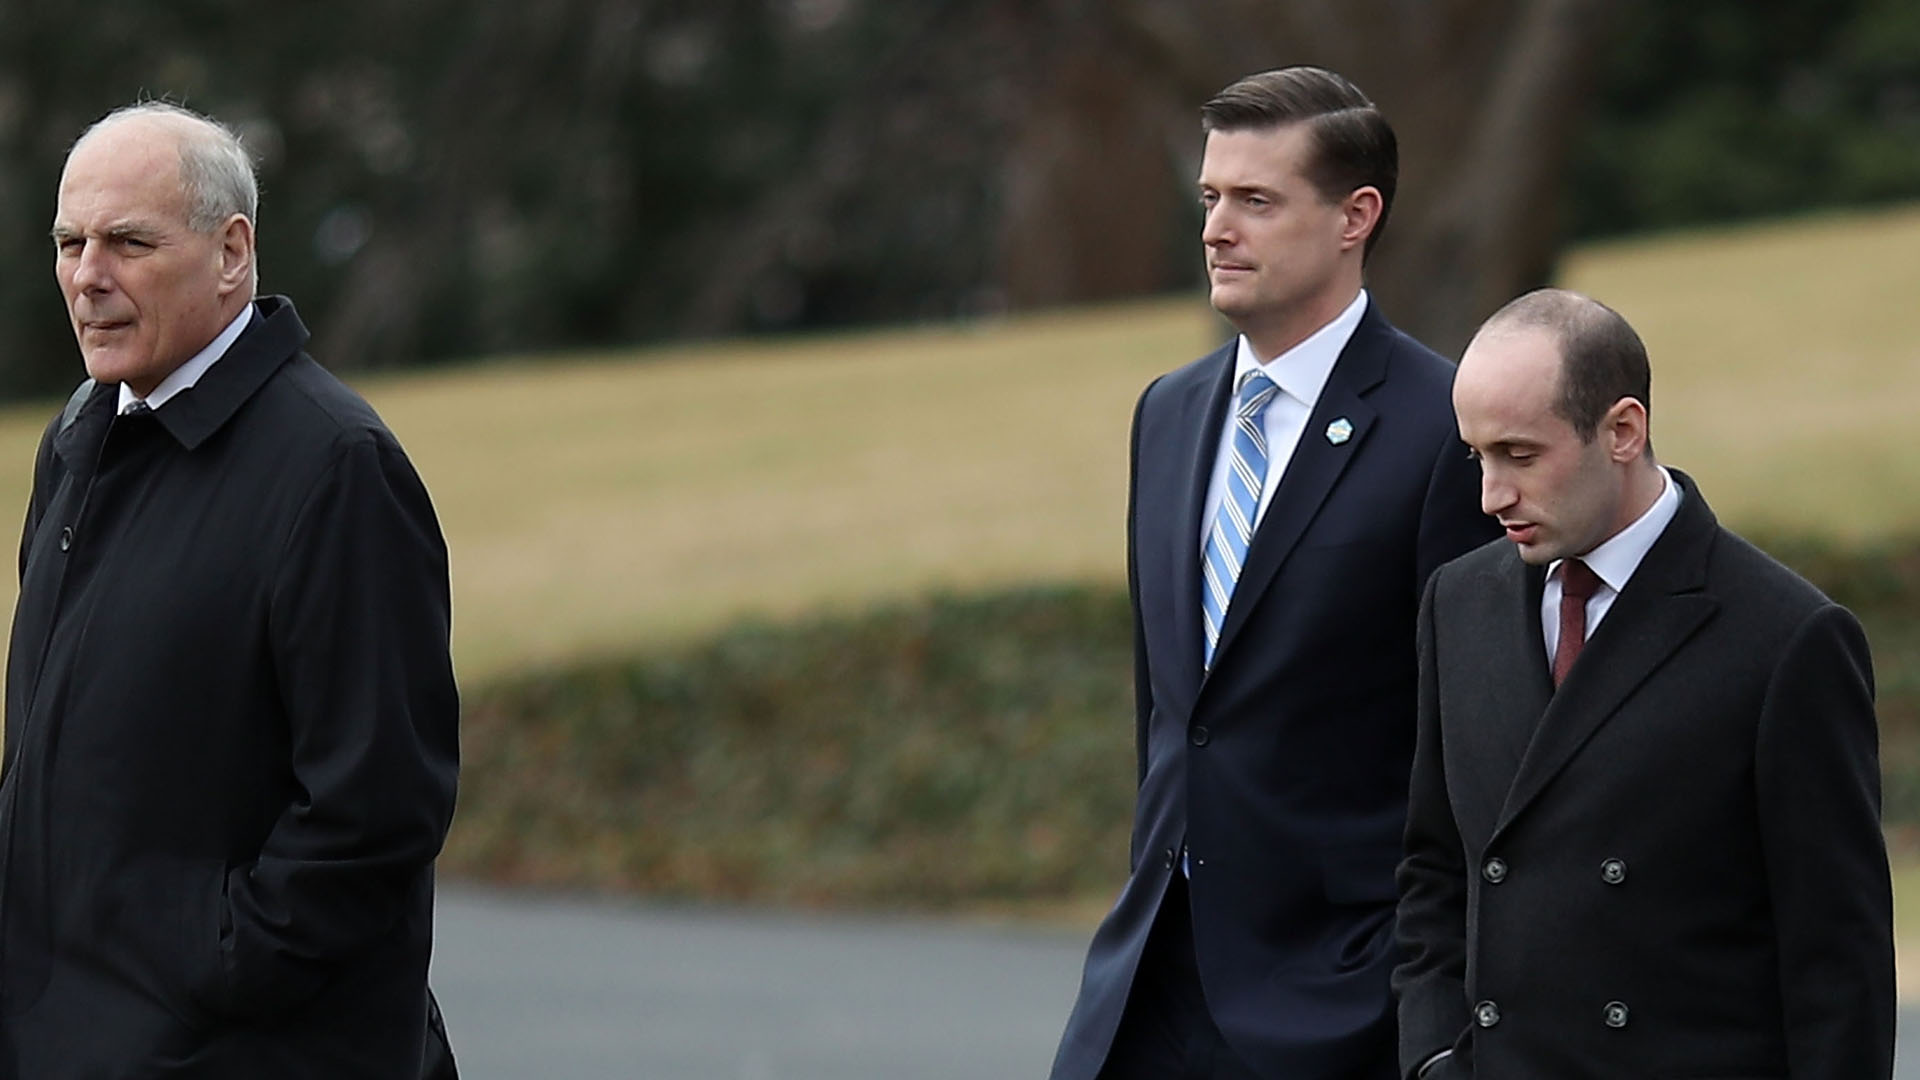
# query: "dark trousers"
{"type": "Point", "coordinates": [1166, 1032]}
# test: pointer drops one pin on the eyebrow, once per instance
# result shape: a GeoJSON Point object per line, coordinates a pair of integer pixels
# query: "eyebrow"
{"type": "Point", "coordinates": [126, 230]}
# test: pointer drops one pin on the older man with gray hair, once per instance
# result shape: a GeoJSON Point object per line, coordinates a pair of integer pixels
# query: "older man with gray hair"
{"type": "Point", "coordinates": [231, 722]}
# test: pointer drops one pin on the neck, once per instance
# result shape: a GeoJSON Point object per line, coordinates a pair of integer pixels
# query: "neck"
{"type": "Point", "coordinates": [1643, 487]}
{"type": "Point", "coordinates": [1275, 332]}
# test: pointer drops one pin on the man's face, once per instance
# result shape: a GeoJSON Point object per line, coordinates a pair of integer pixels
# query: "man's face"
{"type": "Point", "coordinates": [1273, 242]}
{"type": "Point", "coordinates": [1556, 495]}
{"type": "Point", "coordinates": [144, 291]}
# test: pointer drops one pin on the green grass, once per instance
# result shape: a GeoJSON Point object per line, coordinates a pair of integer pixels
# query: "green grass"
{"type": "Point", "coordinates": [597, 504]}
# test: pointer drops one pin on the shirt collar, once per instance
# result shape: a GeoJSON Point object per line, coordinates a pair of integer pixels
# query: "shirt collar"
{"type": "Point", "coordinates": [1301, 372]}
{"type": "Point", "coordinates": [1615, 560]}
{"type": "Point", "coordinates": [189, 373]}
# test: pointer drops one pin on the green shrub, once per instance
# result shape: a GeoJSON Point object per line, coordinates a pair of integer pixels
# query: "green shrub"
{"type": "Point", "coordinates": [955, 750]}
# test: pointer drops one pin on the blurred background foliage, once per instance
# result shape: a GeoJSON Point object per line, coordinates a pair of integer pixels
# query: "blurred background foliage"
{"type": "Point", "coordinates": [447, 179]}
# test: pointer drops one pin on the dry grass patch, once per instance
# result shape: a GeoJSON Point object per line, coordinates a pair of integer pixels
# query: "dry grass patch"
{"type": "Point", "coordinates": [597, 503]}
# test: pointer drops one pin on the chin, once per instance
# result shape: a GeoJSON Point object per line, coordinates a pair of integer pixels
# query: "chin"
{"type": "Point", "coordinates": [1227, 303]}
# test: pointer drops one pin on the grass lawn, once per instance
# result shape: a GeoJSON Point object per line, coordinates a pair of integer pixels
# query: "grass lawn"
{"type": "Point", "coordinates": [596, 503]}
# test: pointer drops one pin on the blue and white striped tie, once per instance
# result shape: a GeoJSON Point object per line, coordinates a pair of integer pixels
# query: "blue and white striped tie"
{"type": "Point", "coordinates": [1232, 531]}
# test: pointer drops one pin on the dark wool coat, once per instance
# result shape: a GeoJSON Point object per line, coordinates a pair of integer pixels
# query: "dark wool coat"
{"type": "Point", "coordinates": [230, 736]}
{"type": "Point", "coordinates": [1283, 769]}
{"type": "Point", "coordinates": [1672, 867]}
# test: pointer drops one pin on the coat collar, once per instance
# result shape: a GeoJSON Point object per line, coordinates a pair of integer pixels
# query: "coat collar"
{"type": "Point", "coordinates": [1664, 604]}
{"type": "Point", "coordinates": [275, 336]}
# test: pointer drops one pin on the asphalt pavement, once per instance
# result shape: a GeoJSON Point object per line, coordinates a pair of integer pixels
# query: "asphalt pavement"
{"type": "Point", "coordinates": [568, 989]}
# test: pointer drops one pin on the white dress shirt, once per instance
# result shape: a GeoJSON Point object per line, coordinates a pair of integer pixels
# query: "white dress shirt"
{"type": "Point", "coordinates": [1300, 373]}
{"type": "Point", "coordinates": [189, 373]}
{"type": "Point", "coordinates": [1613, 562]}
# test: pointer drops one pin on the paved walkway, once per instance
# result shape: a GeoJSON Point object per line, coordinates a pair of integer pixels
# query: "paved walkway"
{"type": "Point", "coordinates": [577, 990]}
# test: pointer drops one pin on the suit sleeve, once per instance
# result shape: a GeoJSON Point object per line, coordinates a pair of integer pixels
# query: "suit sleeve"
{"type": "Point", "coordinates": [1818, 778]}
{"type": "Point", "coordinates": [359, 630]}
{"type": "Point", "coordinates": [1142, 677]}
{"type": "Point", "coordinates": [1451, 521]}
{"type": "Point", "coordinates": [1430, 982]}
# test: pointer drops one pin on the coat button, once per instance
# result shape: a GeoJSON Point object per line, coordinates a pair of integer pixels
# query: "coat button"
{"type": "Point", "coordinates": [66, 538]}
{"type": "Point", "coordinates": [1169, 858]}
{"type": "Point", "coordinates": [1494, 870]}
{"type": "Point", "coordinates": [1616, 1014]}
{"type": "Point", "coordinates": [1486, 1014]}
{"type": "Point", "coordinates": [1613, 871]}
{"type": "Point", "coordinates": [1199, 735]}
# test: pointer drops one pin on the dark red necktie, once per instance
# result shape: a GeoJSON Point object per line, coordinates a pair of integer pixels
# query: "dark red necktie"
{"type": "Point", "coordinates": [1577, 585]}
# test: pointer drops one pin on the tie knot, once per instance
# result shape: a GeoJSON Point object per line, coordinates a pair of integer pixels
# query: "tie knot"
{"type": "Point", "coordinates": [1578, 580]}
{"type": "Point", "coordinates": [1256, 389]}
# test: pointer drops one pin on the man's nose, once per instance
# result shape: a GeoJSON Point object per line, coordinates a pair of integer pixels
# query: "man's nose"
{"type": "Point", "coordinates": [1214, 227]}
{"type": "Point", "coordinates": [1495, 494]}
{"type": "Point", "coordinates": [91, 272]}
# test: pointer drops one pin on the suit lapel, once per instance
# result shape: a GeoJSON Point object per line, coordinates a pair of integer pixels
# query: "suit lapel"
{"type": "Point", "coordinates": [1202, 410]}
{"type": "Point", "coordinates": [1316, 465]}
{"type": "Point", "coordinates": [1663, 605]}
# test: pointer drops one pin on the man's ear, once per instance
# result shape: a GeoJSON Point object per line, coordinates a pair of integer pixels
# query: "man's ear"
{"type": "Point", "coordinates": [236, 255]}
{"type": "Point", "coordinates": [1360, 213]}
{"type": "Point", "coordinates": [1625, 427]}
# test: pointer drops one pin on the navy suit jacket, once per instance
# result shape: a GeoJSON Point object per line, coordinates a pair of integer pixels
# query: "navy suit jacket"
{"type": "Point", "coordinates": [1284, 768]}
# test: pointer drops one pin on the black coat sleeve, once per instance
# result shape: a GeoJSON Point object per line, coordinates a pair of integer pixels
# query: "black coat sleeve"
{"type": "Point", "coordinates": [1432, 921]}
{"type": "Point", "coordinates": [358, 630]}
{"type": "Point", "coordinates": [1818, 779]}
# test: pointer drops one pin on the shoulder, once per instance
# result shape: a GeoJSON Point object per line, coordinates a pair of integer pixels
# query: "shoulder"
{"type": "Point", "coordinates": [1473, 573]}
{"type": "Point", "coordinates": [1762, 589]}
{"type": "Point", "coordinates": [309, 410]}
{"type": "Point", "coordinates": [1197, 375]}
{"type": "Point", "coordinates": [1413, 370]}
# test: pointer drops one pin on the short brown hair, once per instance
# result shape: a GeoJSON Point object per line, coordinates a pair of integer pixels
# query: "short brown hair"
{"type": "Point", "coordinates": [1354, 145]}
{"type": "Point", "coordinates": [1602, 359]}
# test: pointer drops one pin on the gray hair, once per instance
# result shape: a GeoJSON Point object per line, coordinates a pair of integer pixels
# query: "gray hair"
{"type": "Point", "coordinates": [216, 171]}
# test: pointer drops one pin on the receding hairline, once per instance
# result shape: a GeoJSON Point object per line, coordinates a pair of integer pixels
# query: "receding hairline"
{"type": "Point", "coordinates": [1556, 312]}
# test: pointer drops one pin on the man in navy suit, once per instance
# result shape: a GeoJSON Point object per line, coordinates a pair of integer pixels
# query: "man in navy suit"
{"type": "Point", "coordinates": [1290, 495]}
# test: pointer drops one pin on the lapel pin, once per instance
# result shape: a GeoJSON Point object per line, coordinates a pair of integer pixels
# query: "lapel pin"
{"type": "Point", "coordinates": [1340, 431]}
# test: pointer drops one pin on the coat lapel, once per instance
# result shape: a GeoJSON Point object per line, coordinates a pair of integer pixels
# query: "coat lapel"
{"type": "Point", "coordinates": [1316, 465]}
{"type": "Point", "coordinates": [1664, 605]}
{"type": "Point", "coordinates": [1511, 686]}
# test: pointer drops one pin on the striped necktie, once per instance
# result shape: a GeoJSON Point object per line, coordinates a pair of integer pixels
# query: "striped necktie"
{"type": "Point", "coordinates": [1232, 531]}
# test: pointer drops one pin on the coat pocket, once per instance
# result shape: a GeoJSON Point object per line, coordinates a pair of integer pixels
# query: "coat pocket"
{"type": "Point", "coordinates": [160, 924]}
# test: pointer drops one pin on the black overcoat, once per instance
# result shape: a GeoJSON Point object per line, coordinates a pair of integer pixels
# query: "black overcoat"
{"type": "Point", "coordinates": [1283, 768]}
{"type": "Point", "coordinates": [231, 736]}
{"type": "Point", "coordinates": [1671, 867]}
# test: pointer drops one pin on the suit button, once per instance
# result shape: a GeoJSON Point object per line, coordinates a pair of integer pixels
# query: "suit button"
{"type": "Point", "coordinates": [1199, 735]}
{"type": "Point", "coordinates": [1486, 1014]}
{"type": "Point", "coordinates": [1169, 858]}
{"type": "Point", "coordinates": [1613, 871]}
{"type": "Point", "coordinates": [1494, 870]}
{"type": "Point", "coordinates": [1616, 1014]}
{"type": "Point", "coordinates": [66, 538]}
